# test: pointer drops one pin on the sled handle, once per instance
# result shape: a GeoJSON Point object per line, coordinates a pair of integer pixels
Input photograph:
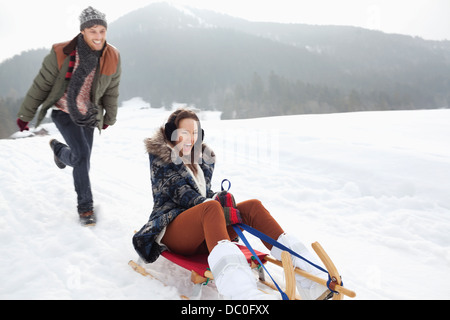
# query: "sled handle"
{"type": "Point", "coordinates": [309, 276]}
{"type": "Point", "coordinates": [332, 270]}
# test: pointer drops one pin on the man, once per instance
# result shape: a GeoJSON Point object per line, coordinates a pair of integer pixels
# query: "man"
{"type": "Point", "coordinates": [79, 80]}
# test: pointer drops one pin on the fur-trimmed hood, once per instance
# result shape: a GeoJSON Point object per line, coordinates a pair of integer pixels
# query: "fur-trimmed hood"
{"type": "Point", "coordinates": [157, 145]}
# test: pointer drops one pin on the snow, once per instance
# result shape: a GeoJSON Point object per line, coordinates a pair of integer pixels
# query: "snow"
{"type": "Point", "coordinates": [202, 23]}
{"type": "Point", "coordinates": [371, 187]}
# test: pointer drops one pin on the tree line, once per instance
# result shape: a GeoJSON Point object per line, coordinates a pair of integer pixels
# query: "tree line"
{"type": "Point", "coordinates": [278, 95]}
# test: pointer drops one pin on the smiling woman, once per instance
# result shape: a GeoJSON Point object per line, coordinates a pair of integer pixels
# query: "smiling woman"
{"type": "Point", "coordinates": [188, 218]}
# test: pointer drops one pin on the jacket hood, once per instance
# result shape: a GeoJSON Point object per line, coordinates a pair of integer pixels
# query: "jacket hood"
{"type": "Point", "coordinates": [157, 145]}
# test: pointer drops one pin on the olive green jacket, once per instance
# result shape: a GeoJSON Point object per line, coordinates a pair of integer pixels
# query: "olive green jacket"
{"type": "Point", "coordinates": [50, 84]}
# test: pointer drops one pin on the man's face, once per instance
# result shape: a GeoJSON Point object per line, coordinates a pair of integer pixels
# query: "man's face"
{"type": "Point", "coordinates": [95, 37]}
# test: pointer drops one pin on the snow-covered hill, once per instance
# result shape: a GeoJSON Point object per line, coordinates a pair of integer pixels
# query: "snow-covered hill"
{"type": "Point", "coordinates": [371, 187]}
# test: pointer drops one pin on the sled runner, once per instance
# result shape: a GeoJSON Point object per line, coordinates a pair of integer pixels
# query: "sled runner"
{"type": "Point", "coordinates": [200, 273]}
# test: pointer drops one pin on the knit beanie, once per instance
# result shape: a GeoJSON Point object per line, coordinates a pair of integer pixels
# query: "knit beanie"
{"type": "Point", "coordinates": [90, 17]}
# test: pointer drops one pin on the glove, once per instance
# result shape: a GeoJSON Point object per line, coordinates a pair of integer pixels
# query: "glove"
{"type": "Point", "coordinates": [22, 125]}
{"type": "Point", "coordinates": [232, 214]}
{"type": "Point", "coordinates": [105, 126]}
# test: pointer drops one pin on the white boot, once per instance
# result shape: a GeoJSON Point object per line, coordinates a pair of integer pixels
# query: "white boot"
{"type": "Point", "coordinates": [308, 289]}
{"type": "Point", "coordinates": [233, 276]}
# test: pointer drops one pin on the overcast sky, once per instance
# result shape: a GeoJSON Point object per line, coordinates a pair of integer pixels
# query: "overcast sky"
{"type": "Point", "coordinates": [28, 24]}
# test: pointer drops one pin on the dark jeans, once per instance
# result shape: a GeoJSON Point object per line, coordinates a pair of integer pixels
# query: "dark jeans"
{"type": "Point", "coordinates": [76, 154]}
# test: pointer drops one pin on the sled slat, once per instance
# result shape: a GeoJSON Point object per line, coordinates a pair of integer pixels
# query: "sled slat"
{"type": "Point", "coordinates": [289, 274]}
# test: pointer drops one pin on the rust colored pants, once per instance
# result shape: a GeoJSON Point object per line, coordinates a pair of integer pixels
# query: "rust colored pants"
{"type": "Point", "coordinates": [200, 228]}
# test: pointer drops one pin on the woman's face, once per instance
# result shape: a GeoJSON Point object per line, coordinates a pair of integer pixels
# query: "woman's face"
{"type": "Point", "coordinates": [187, 133]}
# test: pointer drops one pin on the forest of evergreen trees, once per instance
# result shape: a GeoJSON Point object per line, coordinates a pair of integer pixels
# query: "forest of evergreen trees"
{"type": "Point", "coordinates": [279, 96]}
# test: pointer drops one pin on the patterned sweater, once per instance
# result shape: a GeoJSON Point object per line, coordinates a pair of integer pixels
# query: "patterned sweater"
{"type": "Point", "coordinates": [84, 96]}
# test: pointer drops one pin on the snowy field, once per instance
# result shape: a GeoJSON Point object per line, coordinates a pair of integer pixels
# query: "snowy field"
{"type": "Point", "coordinates": [372, 188]}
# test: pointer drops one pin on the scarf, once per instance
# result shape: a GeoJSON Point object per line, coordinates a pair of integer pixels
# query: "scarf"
{"type": "Point", "coordinates": [88, 61]}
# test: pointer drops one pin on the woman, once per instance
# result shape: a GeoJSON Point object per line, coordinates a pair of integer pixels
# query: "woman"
{"type": "Point", "coordinates": [185, 220]}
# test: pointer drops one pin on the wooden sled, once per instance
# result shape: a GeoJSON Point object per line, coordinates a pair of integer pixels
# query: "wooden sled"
{"type": "Point", "coordinates": [200, 273]}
